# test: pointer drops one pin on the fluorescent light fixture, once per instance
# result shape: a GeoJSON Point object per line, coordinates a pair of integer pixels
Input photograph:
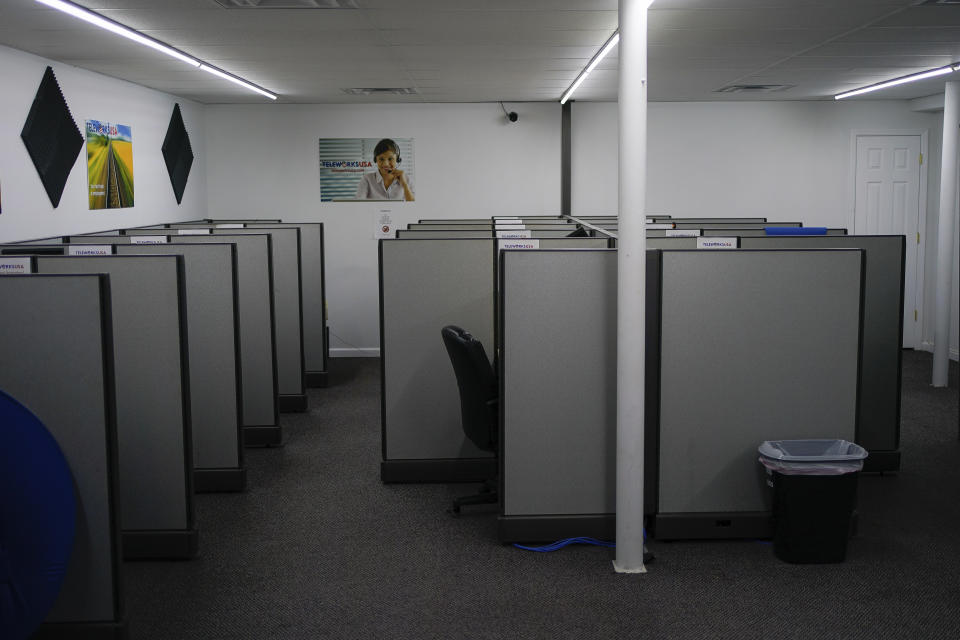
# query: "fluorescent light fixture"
{"type": "Point", "coordinates": [950, 68]}
{"type": "Point", "coordinates": [119, 29]}
{"type": "Point", "coordinates": [234, 79]}
{"type": "Point", "coordinates": [610, 44]}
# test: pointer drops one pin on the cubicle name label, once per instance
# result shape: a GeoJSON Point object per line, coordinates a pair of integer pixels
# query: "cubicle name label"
{"type": "Point", "coordinates": [89, 250]}
{"type": "Point", "coordinates": [683, 233]}
{"type": "Point", "coordinates": [519, 233]}
{"type": "Point", "coordinates": [509, 227]}
{"type": "Point", "coordinates": [15, 266]}
{"type": "Point", "coordinates": [717, 243]}
{"type": "Point", "coordinates": [660, 225]}
{"type": "Point", "coordinates": [194, 232]}
{"type": "Point", "coordinates": [518, 244]}
{"type": "Point", "coordinates": [148, 240]}
{"type": "Point", "coordinates": [507, 221]}
{"type": "Point", "coordinates": [230, 225]}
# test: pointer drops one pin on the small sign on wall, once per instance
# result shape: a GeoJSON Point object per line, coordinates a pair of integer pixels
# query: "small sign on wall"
{"type": "Point", "coordinates": [660, 225]}
{"type": "Point", "coordinates": [509, 227]}
{"type": "Point", "coordinates": [148, 240]}
{"type": "Point", "coordinates": [718, 243]}
{"type": "Point", "coordinates": [194, 232]}
{"type": "Point", "coordinates": [230, 225]}
{"type": "Point", "coordinates": [518, 244]}
{"type": "Point", "coordinates": [683, 233]}
{"type": "Point", "coordinates": [89, 250]}
{"type": "Point", "coordinates": [383, 224]}
{"type": "Point", "coordinates": [15, 266]}
{"type": "Point", "coordinates": [518, 233]}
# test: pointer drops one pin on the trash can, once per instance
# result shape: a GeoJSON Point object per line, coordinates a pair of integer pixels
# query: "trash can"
{"type": "Point", "coordinates": [814, 494]}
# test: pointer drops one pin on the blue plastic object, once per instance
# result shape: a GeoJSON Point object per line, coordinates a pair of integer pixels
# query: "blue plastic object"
{"type": "Point", "coordinates": [796, 231]}
{"type": "Point", "coordinates": [37, 520]}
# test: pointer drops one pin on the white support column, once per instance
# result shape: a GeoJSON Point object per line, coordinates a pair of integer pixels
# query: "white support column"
{"type": "Point", "coordinates": [631, 285]}
{"type": "Point", "coordinates": [948, 208]}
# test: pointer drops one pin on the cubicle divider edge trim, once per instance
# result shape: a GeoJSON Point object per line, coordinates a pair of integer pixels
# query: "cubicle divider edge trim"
{"type": "Point", "coordinates": [113, 452]}
{"type": "Point", "coordinates": [185, 400]}
{"type": "Point", "coordinates": [238, 361]}
{"type": "Point", "coordinates": [903, 263]}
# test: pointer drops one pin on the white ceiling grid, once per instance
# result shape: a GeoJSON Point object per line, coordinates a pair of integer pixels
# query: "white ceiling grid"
{"type": "Point", "coordinates": [510, 50]}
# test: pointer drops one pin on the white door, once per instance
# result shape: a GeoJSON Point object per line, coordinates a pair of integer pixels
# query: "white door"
{"type": "Point", "coordinates": [888, 203]}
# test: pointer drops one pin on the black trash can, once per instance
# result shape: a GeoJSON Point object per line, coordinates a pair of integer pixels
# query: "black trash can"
{"type": "Point", "coordinates": [814, 495]}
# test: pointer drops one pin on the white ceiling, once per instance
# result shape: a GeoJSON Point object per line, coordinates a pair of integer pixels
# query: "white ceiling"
{"type": "Point", "coordinates": [502, 50]}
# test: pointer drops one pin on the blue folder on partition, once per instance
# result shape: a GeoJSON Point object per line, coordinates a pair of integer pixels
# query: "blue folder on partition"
{"type": "Point", "coordinates": [796, 231]}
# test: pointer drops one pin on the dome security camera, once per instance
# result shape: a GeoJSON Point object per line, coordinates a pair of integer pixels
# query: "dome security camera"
{"type": "Point", "coordinates": [512, 116]}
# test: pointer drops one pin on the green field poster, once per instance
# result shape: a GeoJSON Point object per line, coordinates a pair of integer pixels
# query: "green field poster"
{"type": "Point", "coordinates": [109, 165]}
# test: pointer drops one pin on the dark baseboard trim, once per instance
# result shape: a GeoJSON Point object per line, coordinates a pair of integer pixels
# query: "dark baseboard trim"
{"type": "Point", "coordinates": [262, 436]}
{"type": "Point", "coordinates": [317, 379]}
{"type": "Point", "coordinates": [160, 545]}
{"type": "Point", "coordinates": [462, 470]}
{"type": "Point", "coordinates": [882, 461]}
{"type": "Point", "coordinates": [602, 526]}
{"type": "Point", "coordinates": [292, 403]}
{"type": "Point", "coordinates": [81, 631]}
{"type": "Point", "coordinates": [712, 526]}
{"type": "Point", "coordinates": [219, 480]}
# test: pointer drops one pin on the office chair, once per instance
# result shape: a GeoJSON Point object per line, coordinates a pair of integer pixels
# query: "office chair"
{"type": "Point", "coordinates": [479, 402]}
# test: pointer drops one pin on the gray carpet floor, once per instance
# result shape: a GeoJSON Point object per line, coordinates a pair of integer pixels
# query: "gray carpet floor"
{"type": "Point", "coordinates": [318, 547]}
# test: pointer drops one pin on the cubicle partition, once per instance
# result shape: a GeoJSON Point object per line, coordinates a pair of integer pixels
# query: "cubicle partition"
{"type": "Point", "coordinates": [288, 316]}
{"type": "Point", "coordinates": [747, 346]}
{"type": "Point", "coordinates": [316, 338]}
{"type": "Point", "coordinates": [213, 339]}
{"type": "Point", "coordinates": [56, 344]}
{"type": "Point", "coordinates": [425, 285]}
{"type": "Point", "coordinates": [883, 320]}
{"type": "Point", "coordinates": [152, 396]}
{"type": "Point", "coordinates": [558, 381]}
{"type": "Point", "coordinates": [754, 345]}
{"type": "Point", "coordinates": [316, 343]}
{"type": "Point", "coordinates": [258, 355]}
{"type": "Point", "coordinates": [214, 371]}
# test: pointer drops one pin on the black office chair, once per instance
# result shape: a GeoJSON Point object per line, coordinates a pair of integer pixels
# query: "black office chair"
{"type": "Point", "coordinates": [479, 401]}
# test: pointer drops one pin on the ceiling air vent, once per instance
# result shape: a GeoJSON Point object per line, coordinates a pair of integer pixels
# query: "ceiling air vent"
{"type": "Point", "coordinates": [753, 88]}
{"type": "Point", "coordinates": [288, 4]}
{"type": "Point", "coordinates": [381, 91]}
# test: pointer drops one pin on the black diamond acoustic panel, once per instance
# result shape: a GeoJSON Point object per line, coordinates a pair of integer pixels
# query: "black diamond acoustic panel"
{"type": "Point", "coordinates": [51, 137]}
{"type": "Point", "coordinates": [177, 153]}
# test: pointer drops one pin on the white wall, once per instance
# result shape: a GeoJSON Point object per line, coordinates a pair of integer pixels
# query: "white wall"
{"type": "Point", "coordinates": [26, 209]}
{"type": "Point", "coordinates": [783, 160]}
{"type": "Point", "coordinates": [262, 161]}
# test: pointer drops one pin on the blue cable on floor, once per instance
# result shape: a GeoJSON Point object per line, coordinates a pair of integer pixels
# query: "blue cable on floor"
{"type": "Point", "coordinates": [559, 544]}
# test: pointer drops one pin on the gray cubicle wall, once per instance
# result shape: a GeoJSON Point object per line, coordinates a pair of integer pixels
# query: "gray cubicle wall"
{"type": "Point", "coordinates": [755, 345]}
{"type": "Point", "coordinates": [475, 233]}
{"type": "Point", "coordinates": [56, 347]}
{"type": "Point", "coordinates": [210, 283]}
{"type": "Point", "coordinates": [425, 285]}
{"type": "Point", "coordinates": [288, 311]}
{"type": "Point", "coordinates": [880, 365]}
{"type": "Point", "coordinates": [288, 316]}
{"type": "Point", "coordinates": [258, 359]}
{"type": "Point", "coordinates": [260, 413]}
{"type": "Point", "coordinates": [316, 344]}
{"type": "Point", "coordinates": [316, 338]}
{"type": "Point", "coordinates": [153, 410]}
{"type": "Point", "coordinates": [214, 375]}
{"type": "Point", "coordinates": [557, 328]}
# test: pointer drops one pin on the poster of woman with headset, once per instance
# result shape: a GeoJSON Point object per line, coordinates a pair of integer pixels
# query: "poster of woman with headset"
{"type": "Point", "coordinates": [366, 169]}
